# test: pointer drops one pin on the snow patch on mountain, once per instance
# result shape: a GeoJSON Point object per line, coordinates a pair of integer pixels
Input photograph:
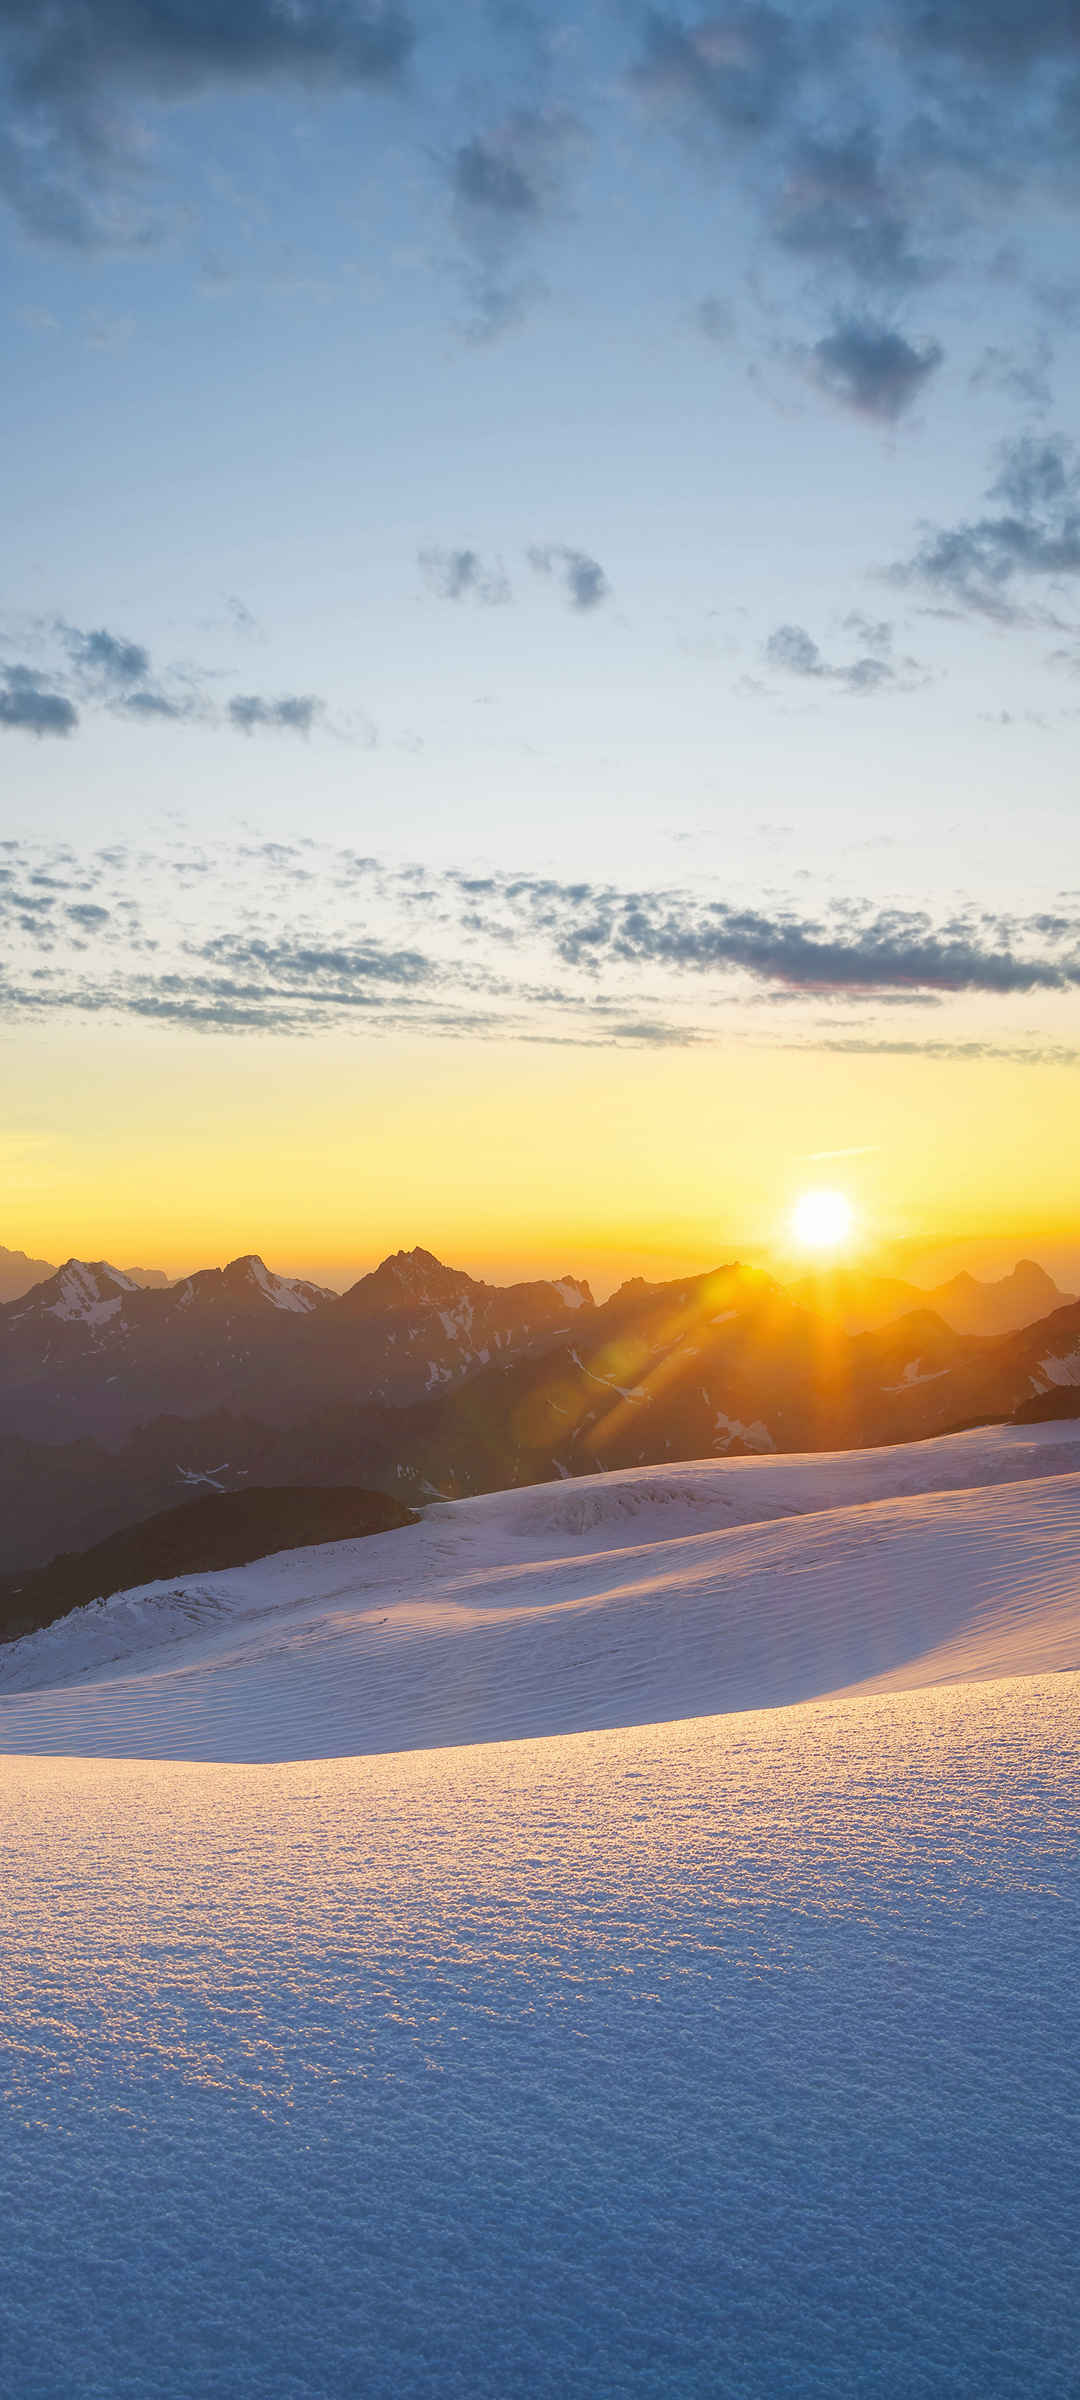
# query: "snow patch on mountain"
{"type": "Point", "coordinates": [288, 1291]}
{"type": "Point", "coordinates": [1063, 1371]}
{"type": "Point", "coordinates": [756, 1435]}
{"type": "Point", "coordinates": [90, 1295]}
{"type": "Point", "coordinates": [915, 1373]}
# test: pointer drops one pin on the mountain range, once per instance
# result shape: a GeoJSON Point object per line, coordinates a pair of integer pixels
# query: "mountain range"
{"type": "Point", "coordinates": [862, 1300]}
{"type": "Point", "coordinates": [116, 1401]}
{"type": "Point", "coordinates": [19, 1273]}
{"type": "Point", "coordinates": [89, 1351]}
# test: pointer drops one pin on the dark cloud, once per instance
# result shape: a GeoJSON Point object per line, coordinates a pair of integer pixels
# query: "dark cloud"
{"type": "Point", "coordinates": [872, 368]}
{"type": "Point", "coordinates": [155, 705]}
{"type": "Point", "coordinates": [999, 36]}
{"type": "Point", "coordinates": [583, 578]}
{"type": "Point", "coordinates": [507, 177]}
{"type": "Point", "coordinates": [105, 658]}
{"type": "Point", "coordinates": [986, 564]}
{"type": "Point", "coordinates": [791, 648]}
{"type": "Point", "coordinates": [344, 968]}
{"type": "Point", "coordinates": [464, 575]}
{"type": "Point", "coordinates": [485, 177]}
{"type": "Point", "coordinates": [504, 184]}
{"type": "Point", "coordinates": [859, 952]}
{"type": "Point", "coordinates": [298, 948]}
{"type": "Point", "coordinates": [837, 206]}
{"type": "Point", "coordinates": [735, 70]}
{"type": "Point", "coordinates": [73, 68]}
{"type": "Point", "coordinates": [293, 713]}
{"type": "Point", "coordinates": [113, 668]}
{"type": "Point", "coordinates": [794, 652]}
{"type": "Point", "coordinates": [28, 704]}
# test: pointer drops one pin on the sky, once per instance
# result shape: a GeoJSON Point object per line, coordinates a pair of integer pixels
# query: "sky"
{"type": "Point", "coordinates": [540, 628]}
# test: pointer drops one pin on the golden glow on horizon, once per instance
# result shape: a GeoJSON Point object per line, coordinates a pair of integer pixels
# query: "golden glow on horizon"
{"type": "Point", "coordinates": [823, 1220]}
{"type": "Point", "coordinates": [178, 1151]}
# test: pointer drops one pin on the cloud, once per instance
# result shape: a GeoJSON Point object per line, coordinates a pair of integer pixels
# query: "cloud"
{"type": "Point", "coordinates": [1024, 379]}
{"type": "Point", "coordinates": [583, 578]}
{"type": "Point", "coordinates": [116, 672]}
{"type": "Point", "coordinates": [504, 184]}
{"type": "Point", "coordinates": [983, 565]}
{"type": "Point", "coordinates": [346, 968]}
{"type": "Point", "coordinates": [105, 658]}
{"type": "Point", "coordinates": [999, 36]}
{"type": "Point", "coordinates": [30, 705]}
{"type": "Point", "coordinates": [496, 306]}
{"type": "Point", "coordinates": [74, 70]}
{"type": "Point", "coordinates": [494, 177]}
{"type": "Point", "coordinates": [864, 950]}
{"type": "Point", "coordinates": [837, 205]}
{"type": "Point", "coordinates": [872, 368]}
{"type": "Point", "coordinates": [292, 713]}
{"type": "Point", "coordinates": [791, 649]}
{"type": "Point", "coordinates": [464, 575]}
{"type": "Point", "coordinates": [150, 705]}
{"type": "Point", "coordinates": [300, 938]}
{"type": "Point", "coordinates": [733, 72]}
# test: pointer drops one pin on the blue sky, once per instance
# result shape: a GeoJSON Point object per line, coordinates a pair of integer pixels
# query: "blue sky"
{"type": "Point", "coordinates": [632, 451]}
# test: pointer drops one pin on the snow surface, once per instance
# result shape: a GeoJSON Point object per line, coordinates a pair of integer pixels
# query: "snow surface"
{"type": "Point", "coordinates": [615, 1600]}
{"type": "Point", "coordinates": [730, 2058]}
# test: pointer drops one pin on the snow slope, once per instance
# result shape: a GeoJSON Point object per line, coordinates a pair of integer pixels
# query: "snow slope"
{"type": "Point", "coordinates": [731, 2060]}
{"type": "Point", "coordinates": [725, 2059]}
{"type": "Point", "coordinates": [620, 1600]}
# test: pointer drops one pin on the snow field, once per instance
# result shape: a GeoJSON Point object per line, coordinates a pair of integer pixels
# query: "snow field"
{"type": "Point", "coordinates": [628, 1599]}
{"type": "Point", "coordinates": [726, 2060]}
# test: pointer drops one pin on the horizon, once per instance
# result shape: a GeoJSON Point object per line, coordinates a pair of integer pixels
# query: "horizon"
{"type": "Point", "coordinates": [560, 688]}
{"type": "Point", "coordinates": [925, 1264]}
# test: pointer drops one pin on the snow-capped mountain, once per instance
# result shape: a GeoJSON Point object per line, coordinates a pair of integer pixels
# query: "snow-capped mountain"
{"type": "Point", "coordinates": [433, 1323]}
{"type": "Point", "coordinates": [424, 1381]}
{"type": "Point", "coordinates": [728, 1364]}
{"type": "Point", "coordinates": [90, 1352]}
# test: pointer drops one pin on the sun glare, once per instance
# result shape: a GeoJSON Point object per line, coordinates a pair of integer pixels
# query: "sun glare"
{"type": "Point", "coordinates": [822, 1220]}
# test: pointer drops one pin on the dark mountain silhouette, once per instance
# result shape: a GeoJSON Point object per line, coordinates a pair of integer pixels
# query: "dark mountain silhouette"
{"type": "Point", "coordinates": [19, 1274]}
{"type": "Point", "coordinates": [223, 1529]}
{"type": "Point", "coordinates": [423, 1383]}
{"type": "Point", "coordinates": [87, 1352]}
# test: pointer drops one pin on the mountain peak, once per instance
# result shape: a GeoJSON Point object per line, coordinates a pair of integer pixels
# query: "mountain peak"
{"type": "Point", "coordinates": [86, 1290]}
{"type": "Point", "coordinates": [250, 1276]}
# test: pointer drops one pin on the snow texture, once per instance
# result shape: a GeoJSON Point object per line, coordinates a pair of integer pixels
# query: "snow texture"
{"type": "Point", "coordinates": [731, 2058]}
{"type": "Point", "coordinates": [615, 1600]}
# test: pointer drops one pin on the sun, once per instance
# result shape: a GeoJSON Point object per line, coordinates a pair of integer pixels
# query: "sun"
{"type": "Point", "coordinates": [822, 1220]}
